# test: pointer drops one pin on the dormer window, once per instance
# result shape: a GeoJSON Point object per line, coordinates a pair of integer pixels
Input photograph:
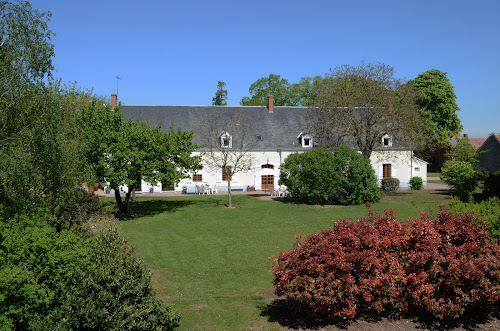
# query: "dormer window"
{"type": "Point", "coordinates": [226, 141]}
{"type": "Point", "coordinates": [305, 140]}
{"type": "Point", "coordinates": [386, 141]}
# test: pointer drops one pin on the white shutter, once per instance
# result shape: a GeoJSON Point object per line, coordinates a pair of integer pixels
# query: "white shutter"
{"type": "Point", "coordinates": [190, 178]}
{"type": "Point", "coordinates": [204, 175]}
{"type": "Point", "coordinates": [393, 170]}
{"type": "Point", "coordinates": [234, 179]}
{"type": "Point", "coordinates": [380, 171]}
{"type": "Point", "coordinates": [219, 175]}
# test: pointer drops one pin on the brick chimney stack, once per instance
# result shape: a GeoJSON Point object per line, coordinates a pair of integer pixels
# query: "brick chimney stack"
{"type": "Point", "coordinates": [113, 101]}
{"type": "Point", "coordinates": [270, 103]}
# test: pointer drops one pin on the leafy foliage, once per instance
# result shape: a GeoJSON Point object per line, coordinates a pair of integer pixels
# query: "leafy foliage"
{"type": "Point", "coordinates": [463, 151]}
{"type": "Point", "coordinates": [80, 208]}
{"type": "Point", "coordinates": [124, 152]}
{"type": "Point", "coordinates": [273, 85]}
{"type": "Point", "coordinates": [220, 98]}
{"type": "Point", "coordinates": [436, 152]}
{"type": "Point", "coordinates": [56, 279]}
{"type": "Point", "coordinates": [323, 176]}
{"type": "Point", "coordinates": [380, 264]}
{"type": "Point", "coordinates": [488, 210]}
{"type": "Point", "coordinates": [437, 102]}
{"type": "Point", "coordinates": [437, 105]}
{"type": "Point", "coordinates": [285, 94]}
{"type": "Point", "coordinates": [461, 176]}
{"type": "Point", "coordinates": [492, 184]}
{"type": "Point", "coordinates": [364, 103]}
{"type": "Point", "coordinates": [390, 184]}
{"type": "Point", "coordinates": [26, 50]}
{"type": "Point", "coordinates": [39, 149]}
{"type": "Point", "coordinates": [416, 183]}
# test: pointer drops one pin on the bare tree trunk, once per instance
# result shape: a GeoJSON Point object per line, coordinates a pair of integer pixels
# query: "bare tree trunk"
{"type": "Point", "coordinates": [229, 193]}
{"type": "Point", "coordinates": [123, 205]}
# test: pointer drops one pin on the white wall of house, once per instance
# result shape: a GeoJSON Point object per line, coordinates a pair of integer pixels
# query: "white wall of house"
{"type": "Point", "coordinates": [403, 167]}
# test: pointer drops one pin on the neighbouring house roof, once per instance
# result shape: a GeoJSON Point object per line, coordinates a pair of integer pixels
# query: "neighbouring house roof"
{"type": "Point", "coordinates": [477, 142]}
{"type": "Point", "coordinates": [271, 130]}
{"type": "Point", "coordinates": [493, 136]}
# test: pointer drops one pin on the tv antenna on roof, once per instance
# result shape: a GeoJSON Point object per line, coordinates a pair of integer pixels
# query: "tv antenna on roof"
{"type": "Point", "coordinates": [117, 78]}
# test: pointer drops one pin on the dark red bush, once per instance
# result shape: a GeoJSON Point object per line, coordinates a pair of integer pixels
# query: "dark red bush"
{"type": "Point", "coordinates": [380, 264]}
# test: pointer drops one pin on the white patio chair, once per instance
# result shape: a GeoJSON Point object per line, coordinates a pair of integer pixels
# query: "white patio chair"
{"type": "Point", "coordinates": [282, 190]}
{"type": "Point", "coordinates": [206, 189]}
{"type": "Point", "coordinates": [214, 189]}
{"type": "Point", "coordinates": [198, 189]}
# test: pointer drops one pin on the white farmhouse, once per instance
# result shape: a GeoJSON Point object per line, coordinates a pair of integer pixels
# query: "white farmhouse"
{"type": "Point", "coordinates": [275, 133]}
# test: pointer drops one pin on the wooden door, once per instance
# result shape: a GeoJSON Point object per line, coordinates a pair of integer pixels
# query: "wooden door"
{"type": "Point", "coordinates": [267, 182]}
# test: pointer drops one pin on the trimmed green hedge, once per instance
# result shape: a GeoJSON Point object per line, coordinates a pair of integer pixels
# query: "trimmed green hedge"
{"type": "Point", "coordinates": [390, 184]}
{"type": "Point", "coordinates": [321, 176]}
{"type": "Point", "coordinates": [416, 183]}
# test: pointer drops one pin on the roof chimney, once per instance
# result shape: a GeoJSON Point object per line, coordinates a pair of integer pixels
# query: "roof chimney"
{"type": "Point", "coordinates": [113, 101]}
{"type": "Point", "coordinates": [270, 103]}
{"type": "Point", "coordinates": [466, 135]}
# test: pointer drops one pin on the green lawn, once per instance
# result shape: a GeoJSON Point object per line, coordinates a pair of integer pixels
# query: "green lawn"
{"type": "Point", "coordinates": [433, 174]}
{"type": "Point", "coordinates": [211, 264]}
{"type": "Point", "coordinates": [438, 181]}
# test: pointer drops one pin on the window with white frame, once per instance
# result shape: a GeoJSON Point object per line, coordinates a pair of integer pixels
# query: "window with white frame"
{"type": "Point", "coordinates": [305, 140]}
{"type": "Point", "coordinates": [226, 141]}
{"type": "Point", "coordinates": [386, 141]}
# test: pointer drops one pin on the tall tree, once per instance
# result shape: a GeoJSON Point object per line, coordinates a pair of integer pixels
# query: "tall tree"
{"type": "Point", "coordinates": [26, 50]}
{"type": "Point", "coordinates": [437, 105]}
{"type": "Point", "coordinates": [304, 91]}
{"type": "Point", "coordinates": [362, 104]}
{"type": "Point", "coordinates": [123, 152]}
{"type": "Point", "coordinates": [39, 151]}
{"type": "Point", "coordinates": [437, 102]}
{"type": "Point", "coordinates": [220, 98]}
{"type": "Point", "coordinates": [273, 85]}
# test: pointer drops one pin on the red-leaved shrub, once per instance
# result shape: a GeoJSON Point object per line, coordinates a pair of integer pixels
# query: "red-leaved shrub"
{"type": "Point", "coordinates": [380, 264]}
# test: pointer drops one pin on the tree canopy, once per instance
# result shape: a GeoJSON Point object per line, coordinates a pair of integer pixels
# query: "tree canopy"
{"type": "Point", "coordinates": [124, 152]}
{"type": "Point", "coordinates": [39, 148]}
{"type": "Point", "coordinates": [220, 98]}
{"type": "Point", "coordinates": [285, 94]}
{"type": "Point", "coordinates": [26, 49]}
{"type": "Point", "coordinates": [273, 85]}
{"type": "Point", "coordinates": [360, 104]}
{"type": "Point", "coordinates": [437, 102]}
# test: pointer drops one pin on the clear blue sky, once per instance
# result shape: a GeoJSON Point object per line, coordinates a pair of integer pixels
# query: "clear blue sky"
{"type": "Point", "coordinates": [174, 52]}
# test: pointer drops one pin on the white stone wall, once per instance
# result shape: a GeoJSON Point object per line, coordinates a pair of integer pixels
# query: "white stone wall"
{"type": "Point", "coordinates": [403, 167]}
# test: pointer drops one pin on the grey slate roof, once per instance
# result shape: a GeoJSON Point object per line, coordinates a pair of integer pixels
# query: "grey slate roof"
{"type": "Point", "coordinates": [277, 130]}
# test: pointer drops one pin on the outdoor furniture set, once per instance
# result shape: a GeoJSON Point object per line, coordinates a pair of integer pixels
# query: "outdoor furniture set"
{"type": "Point", "coordinates": [206, 189]}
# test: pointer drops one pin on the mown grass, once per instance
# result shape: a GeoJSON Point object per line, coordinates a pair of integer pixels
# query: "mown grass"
{"type": "Point", "coordinates": [433, 174]}
{"type": "Point", "coordinates": [211, 263]}
{"type": "Point", "coordinates": [438, 181]}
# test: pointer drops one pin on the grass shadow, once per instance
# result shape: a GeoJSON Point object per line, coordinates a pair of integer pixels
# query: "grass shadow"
{"type": "Point", "coordinates": [152, 207]}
